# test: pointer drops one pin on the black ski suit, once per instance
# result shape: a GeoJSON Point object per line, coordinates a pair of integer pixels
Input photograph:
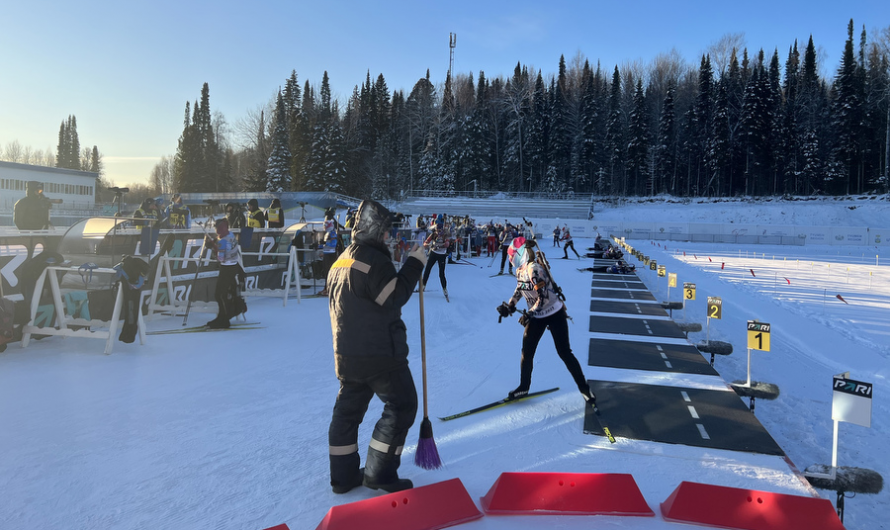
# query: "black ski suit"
{"type": "Point", "coordinates": [545, 310]}
{"type": "Point", "coordinates": [371, 354]}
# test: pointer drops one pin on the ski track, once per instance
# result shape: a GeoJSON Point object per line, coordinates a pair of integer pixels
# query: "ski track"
{"type": "Point", "coordinates": [191, 431]}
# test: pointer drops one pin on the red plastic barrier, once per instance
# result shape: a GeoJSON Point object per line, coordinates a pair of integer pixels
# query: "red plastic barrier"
{"type": "Point", "coordinates": [743, 509]}
{"type": "Point", "coordinates": [567, 494]}
{"type": "Point", "coordinates": [430, 507]}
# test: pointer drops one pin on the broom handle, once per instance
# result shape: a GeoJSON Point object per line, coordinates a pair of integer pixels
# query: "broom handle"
{"type": "Point", "coordinates": [422, 347]}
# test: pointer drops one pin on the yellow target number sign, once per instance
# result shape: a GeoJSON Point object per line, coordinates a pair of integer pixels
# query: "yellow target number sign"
{"type": "Point", "coordinates": [689, 291]}
{"type": "Point", "coordinates": [715, 307]}
{"type": "Point", "coordinates": [758, 335]}
{"type": "Point", "coordinates": [662, 271]}
{"type": "Point", "coordinates": [653, 265]}
{"type": "Point", "coordinates": [672, 279]}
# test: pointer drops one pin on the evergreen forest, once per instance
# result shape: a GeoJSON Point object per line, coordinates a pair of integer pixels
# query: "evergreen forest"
{"type": "Point", "coordinates": [732, 124]}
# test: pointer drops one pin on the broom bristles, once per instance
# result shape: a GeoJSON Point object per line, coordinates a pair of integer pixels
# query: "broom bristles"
{"type": "Point", "coordinates": [427, 455]}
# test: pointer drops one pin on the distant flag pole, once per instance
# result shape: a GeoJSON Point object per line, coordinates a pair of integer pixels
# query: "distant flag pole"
{"type": "Point", "coordinates": [787, 280]}
{"type": "Point", "coordinates": [722, 265]}
{"type": "Point", "coordinates": [710, 260]}
{"type": "Point", "coordinates": [752, 272]}
{"type": "Point", "coordinates": [841, 298]}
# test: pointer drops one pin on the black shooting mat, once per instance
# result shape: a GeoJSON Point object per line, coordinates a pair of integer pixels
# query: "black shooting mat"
{"type": "Point", "coordinates": [604, 284]}
{"type": "Point", "coordinates": [651, 356]}
{"type": "Point", "coordinates": [627, 307]}
{"type": "Point", "coordinates": [621, 295]}
{"type": "Point", "coordinates": [631, 277]}
{"type": "Point", "coordinates": [663, 414]}
{"type": "Point", "coordinates": [635, 326]}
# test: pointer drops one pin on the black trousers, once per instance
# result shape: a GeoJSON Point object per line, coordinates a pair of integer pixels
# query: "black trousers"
{"type": "Point", "coordinates": [566, 248]}
{"type": "Point", "coordinates": [504, 258]}
{"type": "Point", "coordinates": [226, 293]}
{"type": "Point", "coordinates": [397, 391]}
{"type": "Point", "coordinates": [431, 260]}
{"type": "Point", "coordinates": [559, 330]}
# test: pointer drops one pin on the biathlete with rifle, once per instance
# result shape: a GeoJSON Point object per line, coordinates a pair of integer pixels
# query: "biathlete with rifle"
{"type": "Point", "coordinates": [545, 310]}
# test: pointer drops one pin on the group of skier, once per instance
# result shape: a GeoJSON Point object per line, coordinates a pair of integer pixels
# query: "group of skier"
{"type": "Point", "coordinates": [366, 294]}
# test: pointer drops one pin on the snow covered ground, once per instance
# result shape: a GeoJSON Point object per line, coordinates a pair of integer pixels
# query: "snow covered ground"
{"type": "Point", "coordinates": [228, 430]}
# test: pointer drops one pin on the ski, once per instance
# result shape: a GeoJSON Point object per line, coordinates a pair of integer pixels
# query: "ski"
{"type": "Point", "coordinates": [196, 329]}
{"type": "Point", "coordinates": [203, 330]}
{"type": "Point", "coordinates": [603, 425]}
{"type": "Point", "coordinates": [498, 403]}
{"type": "Point", "coordinates": [508, 275]}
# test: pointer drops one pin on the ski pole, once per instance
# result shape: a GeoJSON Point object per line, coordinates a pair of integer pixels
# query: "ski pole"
{"type": "Point", "coordinates": [188, 305]}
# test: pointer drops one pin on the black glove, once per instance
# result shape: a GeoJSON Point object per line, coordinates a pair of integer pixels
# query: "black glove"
{"type": "Point", "coordinates": [523, 320]}
{"type": "Point", "coordinates": [506, 310]}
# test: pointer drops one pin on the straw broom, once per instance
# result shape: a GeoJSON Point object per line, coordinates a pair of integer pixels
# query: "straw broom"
{"type": "Point", "coordinates": [427, 456]}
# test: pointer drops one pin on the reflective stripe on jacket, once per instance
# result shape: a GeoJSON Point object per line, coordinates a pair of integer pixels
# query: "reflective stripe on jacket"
{"type": "Point", "coordinates": [366, 295]}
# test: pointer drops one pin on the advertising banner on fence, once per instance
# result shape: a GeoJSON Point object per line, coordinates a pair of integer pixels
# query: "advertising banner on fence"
{"type": "Point", "coordinates": [816, 235]}
{"type": "Point", "coordinates": [846, 235]}
{"type": "Point", "coordinates": [879, 237]}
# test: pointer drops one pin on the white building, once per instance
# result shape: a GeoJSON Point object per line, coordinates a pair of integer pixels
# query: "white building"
{"type": "Point", "coordinates": [76, 189]}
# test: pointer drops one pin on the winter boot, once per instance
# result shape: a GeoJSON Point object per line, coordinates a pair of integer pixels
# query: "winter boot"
{"type": "Point", "coordinates": [521, 391]}
{"type": "Point", "coordinates": [445, 291]}
{"type": "Point", "coordinates": [381, 472]}
{"type": "Point", "coordinates": [344, 487]}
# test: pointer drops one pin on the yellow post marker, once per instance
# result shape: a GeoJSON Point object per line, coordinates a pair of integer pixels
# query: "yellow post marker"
{"type": "Point", "coordinates": [758, 339]}
{"type": "Point", "coordinates": [715, 310]}
{"type": "Point", "coordinates": [758, 335]}
{"type": "Point", "coordinates": [688, 291]}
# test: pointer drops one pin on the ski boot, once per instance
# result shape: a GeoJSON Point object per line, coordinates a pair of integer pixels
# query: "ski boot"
{"type": "Point", "coordinates": [520, 391]}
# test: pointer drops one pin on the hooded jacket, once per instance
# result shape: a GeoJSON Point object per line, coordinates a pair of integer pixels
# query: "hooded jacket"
{"type": "Point", "coordinates": [366, 298]}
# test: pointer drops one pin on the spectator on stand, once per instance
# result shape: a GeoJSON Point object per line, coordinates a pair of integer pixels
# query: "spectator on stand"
{"type": "Point", "coordinates": [255, 217]}
{"type": "Point", "coordinates": [275, 214]}
{"type": "Point", "coordinates": [234, 216]}
{"type": "Point", "coordinates": [31, 212]}
{"type": "Point", "coordinates": [178, 216]}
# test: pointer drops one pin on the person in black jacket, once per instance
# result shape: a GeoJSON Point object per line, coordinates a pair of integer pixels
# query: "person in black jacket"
{"type": "Point", "coordinates": [32, 211]}
{"type": "Point", "coordinates": [371, 353]}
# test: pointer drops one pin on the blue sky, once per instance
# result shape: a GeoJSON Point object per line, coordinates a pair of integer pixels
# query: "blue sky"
{"type": "Point", "coordinates": [126, 70]}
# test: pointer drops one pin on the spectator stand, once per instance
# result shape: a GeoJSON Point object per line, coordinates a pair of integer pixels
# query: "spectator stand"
{"type": "Point", "coordinates": [290, 277]}
{"type": "Point", "coordinates": [63, 320]}
{"type": "Point", "coordinates": [164, 274]}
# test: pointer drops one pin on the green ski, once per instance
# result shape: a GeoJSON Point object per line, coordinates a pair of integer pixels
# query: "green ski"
{"type": "Point", "coordinates": [603, 425]}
